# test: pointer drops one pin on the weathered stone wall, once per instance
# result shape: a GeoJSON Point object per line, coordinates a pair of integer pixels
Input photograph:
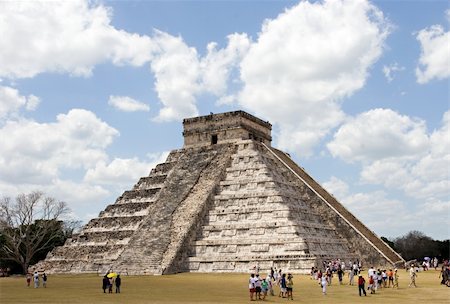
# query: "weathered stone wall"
{"type": "Point", "coordinates": [227, 127]}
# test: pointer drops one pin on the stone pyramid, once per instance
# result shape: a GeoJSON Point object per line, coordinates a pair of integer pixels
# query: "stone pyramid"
{"type": "Point", "coordinates": [225, 202]}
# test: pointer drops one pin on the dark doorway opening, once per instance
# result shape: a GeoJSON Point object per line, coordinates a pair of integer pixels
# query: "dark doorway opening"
{"type": "Point", "coordinates": [214, 139]}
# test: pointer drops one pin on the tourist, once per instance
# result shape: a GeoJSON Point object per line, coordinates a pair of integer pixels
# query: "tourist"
{"type": "Point", "coordinates": [395, 279]}
{"type": "Point", "coordinates": [110, 284]}
{"type": "Point", "coordinates": [370, 272]}
{"type": "Point", "coordinates": [289, 286]}
{"type": "Point", "coordinates": [105, 283]}
{"type": "Point", "coordinates": [340, 274]}
{"type": "Point", "coordinates": [379, 278]}
{"type": "Point", "coordinates": [328, 275]}
{"type": "Point", "coordinates": [324, 284]}
{"type": "Point", "coordinates": [444, 274]}
{"type": "Point", "coordinates": [258, 287]}
{"type": "Point", "coordinates": [36, 280]}
{"type": "Point", "coordinates": [251, 286]}
{"type": "Point", "coordinates": [361, 287]}
{"type": "Point", "coordinates": [371, 285]}
{"type": "Point", "coordinates": [412, 276]}
{"type": "Point", "coordinates": [283, 289]}
{"type": "Point", "coordinates": [270, 285]}
{"type": "Point", "coordinates": [390, 275]}
{"type": "Point", "coordinates": [435, 263]}
{"type": "Point", "coordinates": [319, 277]}
{"type": "Point", "coordinates": [351, 275]}
{"type": "Point", "coordinates": [28, 279]}
{"type": "Point", "coordinates": [265, 287]}
{"type": "Point", "coordinates": [118, 283]}
{"type": "Point", "coordinates": [44, 280]}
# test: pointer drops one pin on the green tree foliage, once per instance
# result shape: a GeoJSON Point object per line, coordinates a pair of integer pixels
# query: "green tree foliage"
{"type": "Point", "coordinates": [30, 227]}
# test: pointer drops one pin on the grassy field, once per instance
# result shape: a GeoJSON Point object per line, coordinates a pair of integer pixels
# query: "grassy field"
{"type": "Point", "coordinates": [210, 288]}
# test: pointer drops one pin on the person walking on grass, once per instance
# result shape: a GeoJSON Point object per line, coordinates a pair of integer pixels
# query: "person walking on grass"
{"type": "Point", "coordinates": [44, 280]}
{"type": "Point", "coordinates": [258, 287]}
{"type": "Point", "coordinates": [289, 286]}
{"type": "Point", "coordinates": [251, 286]}
{"type": "Point", "coordinates": [36, 279]}
{"type": "Point", "coordinates": [110, 284]}
{"type": "Point", "coordinates": [324, 283]}
{"type": "Point", "coordinates": [105, 283]}
{"type": "Point", "coordinates": [361, 285]}
{"type": "Point", "coordinates": [412, 276]}
{"type": "Point", "coordinates": [265, 286]}
{"type": "Point", "coordinates": [118, 283]}
{"type": "Point", "coordinates": [28, 279]}
{"type": "Point", "coordinates": [283, 289]}
{"type": "Point", "coordinates": [395, 285]}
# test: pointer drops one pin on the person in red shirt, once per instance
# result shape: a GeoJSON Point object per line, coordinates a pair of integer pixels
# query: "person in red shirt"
{"type": "Point", "coordinates": [361, 283]}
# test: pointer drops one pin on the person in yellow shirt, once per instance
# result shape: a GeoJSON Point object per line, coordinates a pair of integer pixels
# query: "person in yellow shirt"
{"type": "Point", "coordinates": [289, 286]}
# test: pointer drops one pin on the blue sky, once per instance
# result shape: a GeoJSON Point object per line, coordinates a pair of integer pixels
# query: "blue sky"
{"type": "Point", "coordinates": [92, 96]}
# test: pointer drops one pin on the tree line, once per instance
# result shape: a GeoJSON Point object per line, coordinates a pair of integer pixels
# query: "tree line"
{"type": "Point", "coordinates": [32, 225]}
{"type": "Point", "coordinates": [415, 245]}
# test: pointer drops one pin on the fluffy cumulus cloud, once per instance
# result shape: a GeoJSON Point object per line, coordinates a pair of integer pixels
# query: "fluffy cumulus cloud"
{"type": "Point", "coordinates": [11, 101]}
{"type": "Point", "coordinates": [36, 153]}
{"type": "Point", "coordinates": [122, 172]}
{"type": "Point", "coordinates": [182, 75]}
{"type": "Point", "coordinates": [127, 104]}
{"type": "Point", "coordinates": [66, 36]}
{"type": "Point", "coordinates": [434, 61]}
{"type": "Point", "coordinates": [379, 134]}
{"type": "Point", "coordinates": [398, 153]}
{"type": "Point", "coordinates": [306, 61]}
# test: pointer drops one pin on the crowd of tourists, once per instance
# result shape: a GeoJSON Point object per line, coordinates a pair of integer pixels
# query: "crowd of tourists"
{"type": "Point", "coordinates": [376, 279]}
{"type": "Point", "coordinates": [260, 287]}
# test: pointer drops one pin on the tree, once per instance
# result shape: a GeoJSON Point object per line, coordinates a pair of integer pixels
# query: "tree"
{"type": "Point", "coordinates": [416, 245]}
{"type": "Point", "coordinates": [30, 226]}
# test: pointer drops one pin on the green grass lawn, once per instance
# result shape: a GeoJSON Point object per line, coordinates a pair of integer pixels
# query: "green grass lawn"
{"type": "Point", "coordinates": [210, 288]}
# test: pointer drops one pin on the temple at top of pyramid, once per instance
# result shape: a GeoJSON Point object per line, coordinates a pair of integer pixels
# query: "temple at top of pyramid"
{"type": "Point", "coordinates": [226, 202]}
{"type": "Point", "coordinates": [225, 128]}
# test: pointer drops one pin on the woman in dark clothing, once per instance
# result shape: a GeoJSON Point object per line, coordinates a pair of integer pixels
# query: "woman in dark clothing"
{"type": "Point", "coordinates": [118, 283]}
{"type": "Point", "coordinates": [105, 283]}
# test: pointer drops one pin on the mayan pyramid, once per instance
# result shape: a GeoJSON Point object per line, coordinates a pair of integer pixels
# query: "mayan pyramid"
{"type": "Point", "coordinates": [225, 202]}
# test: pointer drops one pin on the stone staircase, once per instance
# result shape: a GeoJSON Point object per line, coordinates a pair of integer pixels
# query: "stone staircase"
{"type": "Point", "coordinates": [393, 257]}
{"type": "Point", "coordinates": [260, 216]}
{"type": "Point", "coordinates": [172, 218]}
{"type": "Point", "coordinates": [104, 238]}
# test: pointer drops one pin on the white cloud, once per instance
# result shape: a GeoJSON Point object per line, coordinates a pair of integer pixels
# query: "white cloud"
{"type": "Point", "coordinates": [389, 70]}
{"type": "Point", "coordinates": [65, 37]}
{"type": "Point", "coordinates": [374, 208]}
{"type": "Point", "coordinates": [176, 70]}
{"type": "Point", "coordinates": [379, 134]}
{"type": "Point", "coordinates": [37, 152]}
{"type": "Point", "coordinates": [122, 172]}
{"type": "Point", "coordinates": [127, 104]}
{"type": "Point", "coordinates": [434, 61]}
{"type": "Point", "coordinates": [11, 101]}
{"type": "Point", "coordinates": [217, 65]}
{"type": "Point", "coordinates": [182, 75]}
{"type": "Point", "coordinates": [397, 152]}
{"type": "Point", "coordinates": [305, 62]}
